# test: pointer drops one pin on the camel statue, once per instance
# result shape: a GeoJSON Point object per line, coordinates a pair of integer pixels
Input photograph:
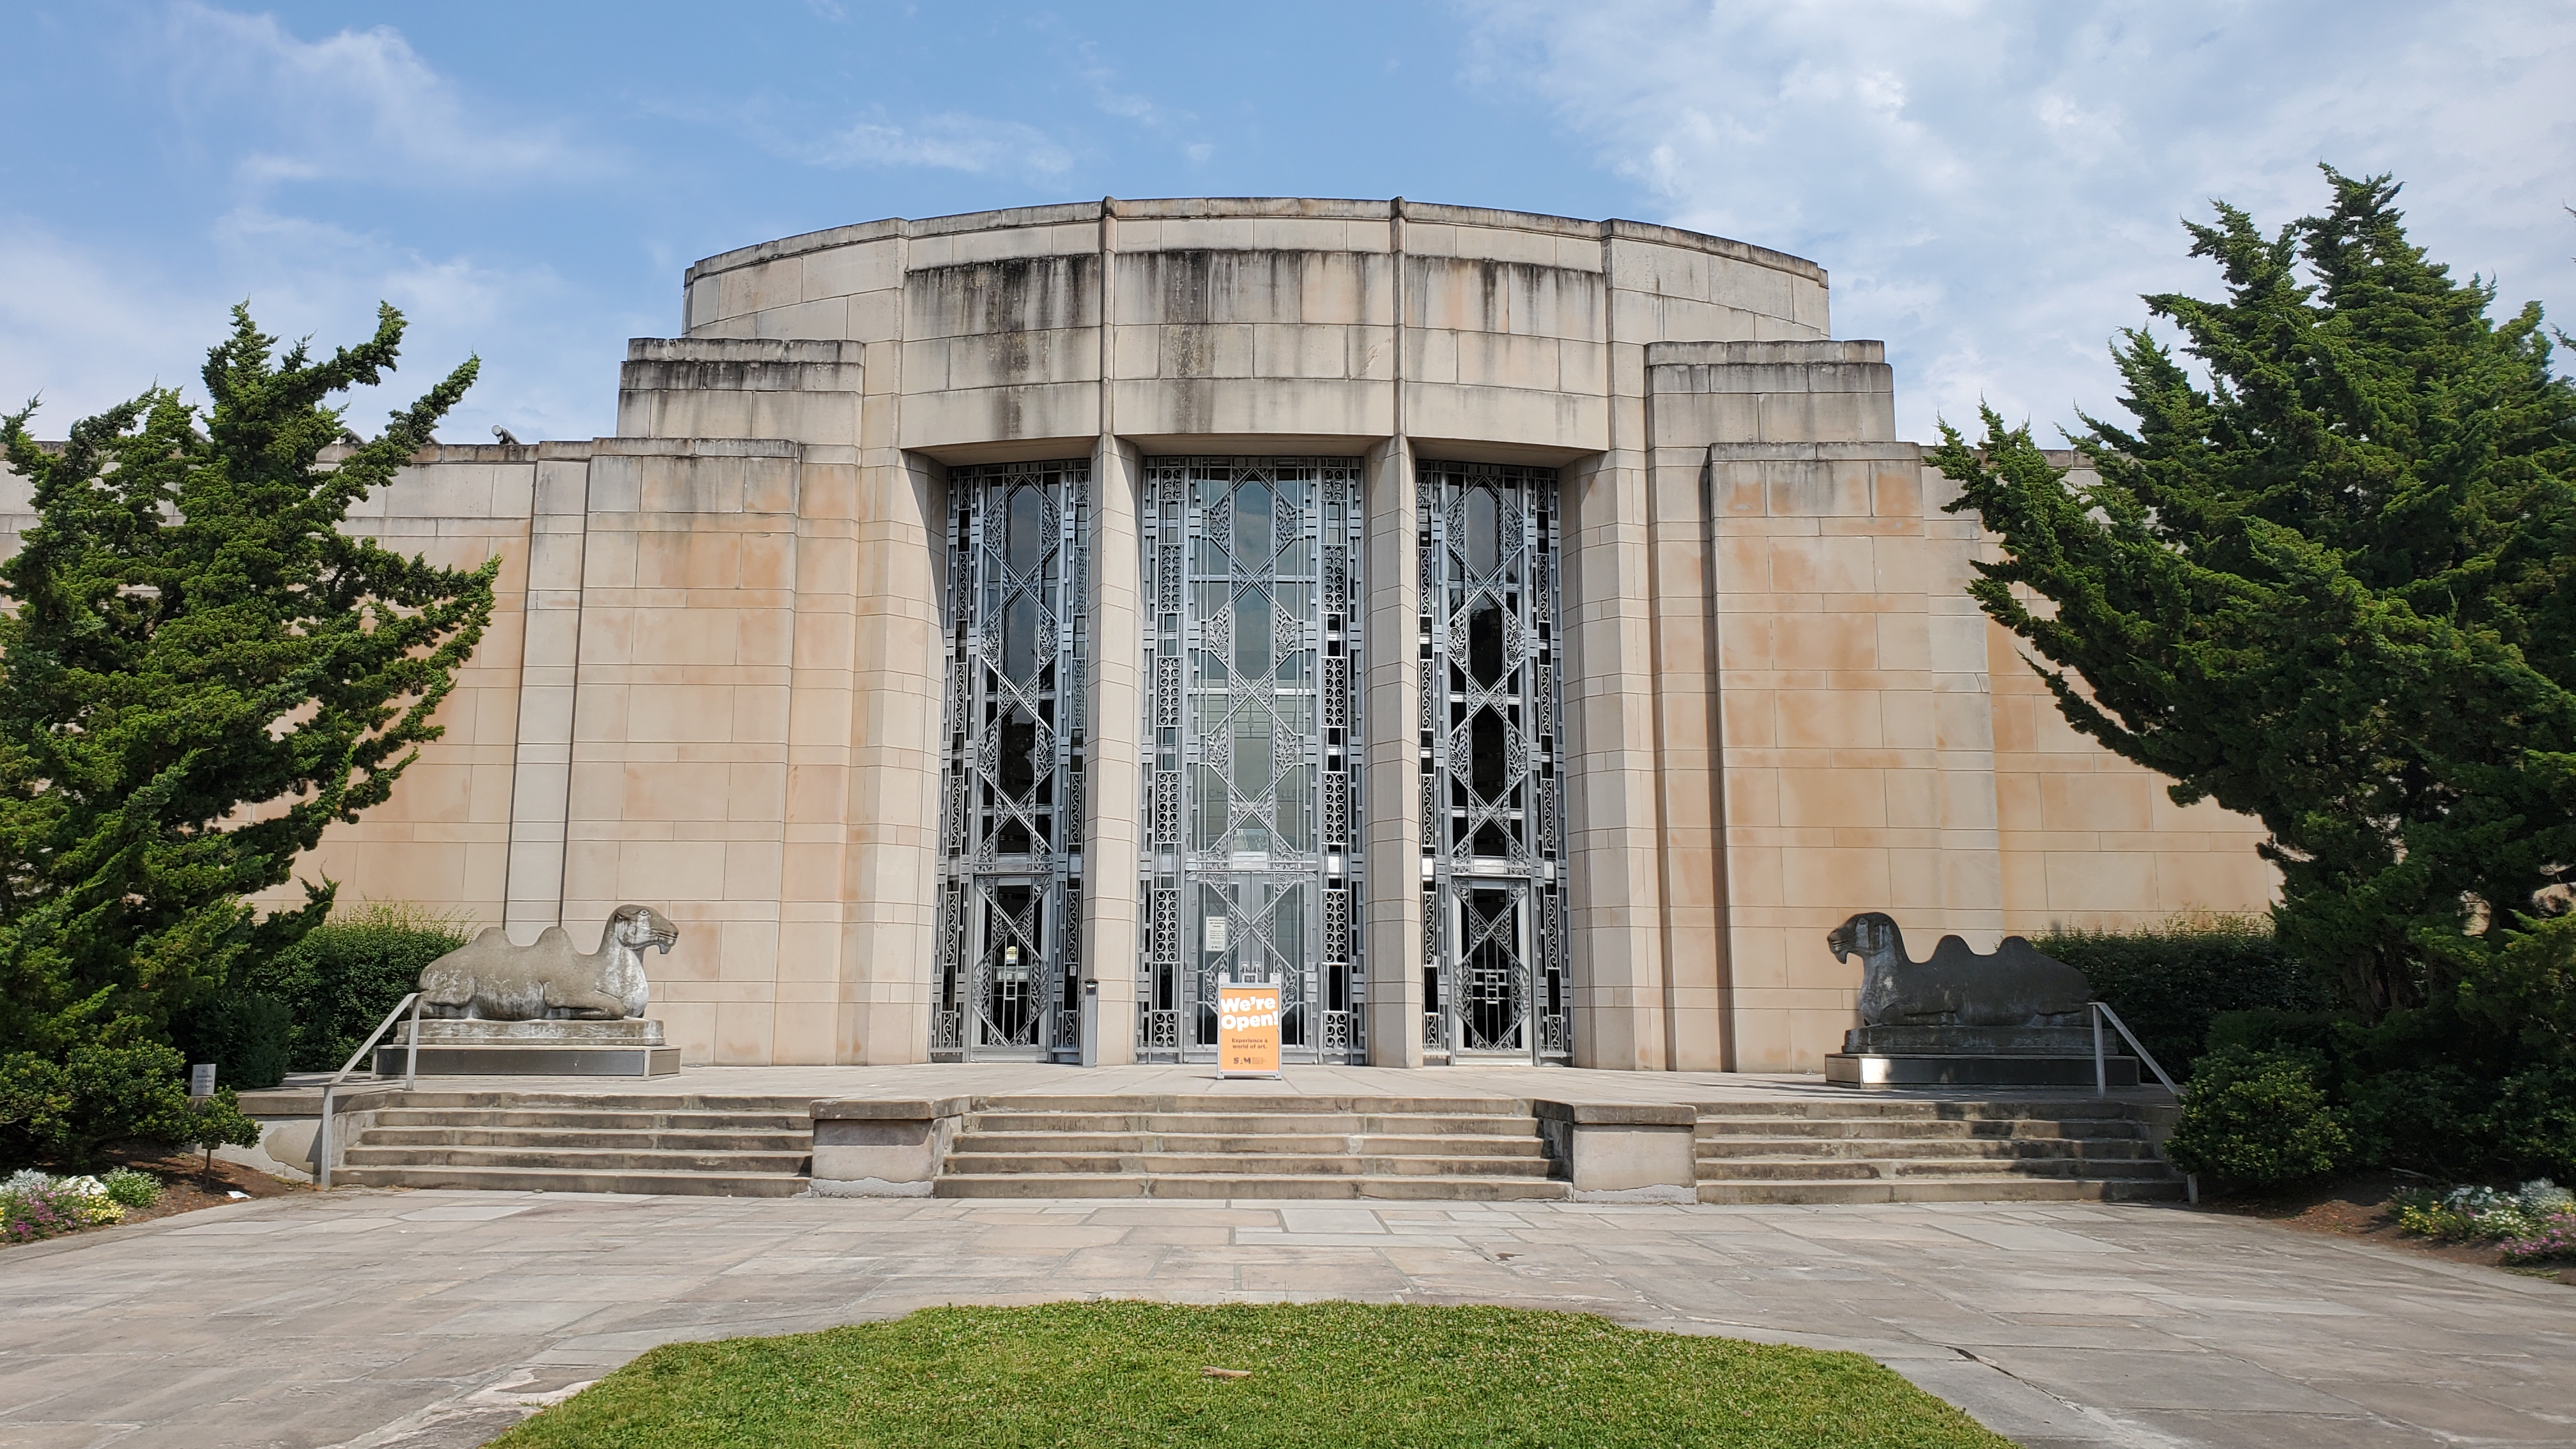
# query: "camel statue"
{"type": "Point", "coordinates": [2016, 986]}
{"type": "Point", "coordinates": [489, 979]}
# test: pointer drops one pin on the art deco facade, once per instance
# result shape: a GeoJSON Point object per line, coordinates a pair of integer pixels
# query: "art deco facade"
{"type": "Point", "coordinates": [1524, 636]}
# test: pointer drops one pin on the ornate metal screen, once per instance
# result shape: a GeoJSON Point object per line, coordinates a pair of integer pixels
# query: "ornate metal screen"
{"type": "Point", "coordinates": [1010, 891]}
{"type": "Point", "coordinates": [1251, 858]}
{"type": "Point", "coordinates": [1494, 976]}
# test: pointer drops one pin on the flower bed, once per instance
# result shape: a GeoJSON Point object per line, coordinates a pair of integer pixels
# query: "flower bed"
{"type": "Point", "coordinates": [37, 1205]}
{"type": "Point", "coordinates": [2534, 1223]}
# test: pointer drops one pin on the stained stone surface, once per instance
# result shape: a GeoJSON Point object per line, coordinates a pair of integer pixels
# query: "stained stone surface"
{"type": "Point", "coordinates": [429, 1320]}
{"type": "Point", "coordinates": [716, 673]}
{"type": "Point", "coordinates": [633, 1031]}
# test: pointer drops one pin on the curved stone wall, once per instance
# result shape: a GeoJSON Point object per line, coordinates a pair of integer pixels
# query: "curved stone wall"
{"type": "Point", "coordinates": [1314, 319]}
{"type": "Point", "coordinates": [716, 680]}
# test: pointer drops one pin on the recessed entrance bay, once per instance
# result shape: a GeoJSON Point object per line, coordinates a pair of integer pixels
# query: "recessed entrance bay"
{"type": "Point", "coordinates": [1010, 816]}
{"type": "Point", "coordinates": [1251, 752]}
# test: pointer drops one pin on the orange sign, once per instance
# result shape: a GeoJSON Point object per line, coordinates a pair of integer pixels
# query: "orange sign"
{"type": "Point", "coordinates": [1247, 1029]}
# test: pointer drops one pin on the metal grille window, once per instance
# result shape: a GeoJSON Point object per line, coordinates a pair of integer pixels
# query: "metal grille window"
{"type": "Point", "coordinates": [1251, 748]}
{"type": "Point", "coordinates": [1493, 949]}
{"type": "Point", "coordinates": [1010, 890]}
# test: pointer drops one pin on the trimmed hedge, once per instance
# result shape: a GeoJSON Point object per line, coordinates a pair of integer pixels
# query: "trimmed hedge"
{"type": "Point", "coordinates": [2170, 982]}
{"type": "Point", "coordinates": [247, 1035]}
{"type": "Point", "coordinates": [342, 978]}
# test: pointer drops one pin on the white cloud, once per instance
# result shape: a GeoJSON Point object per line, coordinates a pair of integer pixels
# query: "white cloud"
{"type": "Point", "coordinates": [359, 105]}
{"type": "Point", "coordinates": [1991, 185]}
{"type": "Point", "coordinates": [951, 141]}
{"type": "Point", "coordinates": [88, 329]}
{"type": "Point", "coordinates": [83, 329]}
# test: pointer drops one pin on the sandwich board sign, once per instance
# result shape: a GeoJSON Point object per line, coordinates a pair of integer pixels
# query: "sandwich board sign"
{"type": "Point", "coordinates": [1247, 1029]}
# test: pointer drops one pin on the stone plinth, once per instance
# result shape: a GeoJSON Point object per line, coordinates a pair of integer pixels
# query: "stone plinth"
{"type": "Point", "coordinates": [1624, 1151]}
{"type": "Point", "coordinates": [882, 1148]}
{"type": "Point", "coordinates": [465, 1048]}
{"type": "Point", "coordinates": [1976, 1056]}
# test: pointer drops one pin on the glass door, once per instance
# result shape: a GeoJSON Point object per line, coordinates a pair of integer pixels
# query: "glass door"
{"type": "Point", "coordinates": [1010, 890]}
{"type": "Point", "coordinates": [1251, 759]}
{"type": "Point", "coordinates": [1494, 976]}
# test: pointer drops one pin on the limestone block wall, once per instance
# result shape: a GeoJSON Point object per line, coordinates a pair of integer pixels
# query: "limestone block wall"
{"type": "Point", "coordinates": [714, 682]}
{"type": "Point", "coordinates": [2089, 839]}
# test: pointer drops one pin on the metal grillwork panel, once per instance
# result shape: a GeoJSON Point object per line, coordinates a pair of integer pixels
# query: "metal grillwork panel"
{"type": "Point", "coordinates": [1494, 958]}
{"type": "Point", "coordinates": [1251, 753]}
{"type": "Point", "coordinates": [1010, 894]}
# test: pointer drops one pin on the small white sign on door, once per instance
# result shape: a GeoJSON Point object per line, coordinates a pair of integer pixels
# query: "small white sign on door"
{"type": "Point", "coordinates": [1215, 933]}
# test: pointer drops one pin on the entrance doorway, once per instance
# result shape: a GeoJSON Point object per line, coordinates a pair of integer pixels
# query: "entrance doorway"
{"type": "Point", "coordinates": [1494, 977]}
{"type": "Point", "coordinates": [1010, 858]}
{"type": "Point", "coordinates": [1252, 749]}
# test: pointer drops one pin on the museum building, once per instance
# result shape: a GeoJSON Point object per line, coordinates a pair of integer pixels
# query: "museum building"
{"type": "Point", "coordinates": [1523, 638]}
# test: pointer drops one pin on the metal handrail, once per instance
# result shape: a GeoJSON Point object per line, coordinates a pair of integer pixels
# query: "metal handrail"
{"type": "Point", "coordinates": [2102, 1071]}
{"type": "Point", "coordinates": [411, 1076]}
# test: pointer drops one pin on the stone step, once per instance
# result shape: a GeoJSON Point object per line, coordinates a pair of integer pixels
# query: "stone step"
{"type": "Point", "coordinates": [1784, 1168]}
{"type": "Point", "coordinates": [1261, 1163]}
{"type": "Point", "coordinates": [567, 1179]}
{"type": "Point", "coordinates": [2008, 1149]}
{"type": "Point", "coordinates": [1890, 1129]}
{"type": "Point", "coordinates": [1340, 1124]}
{"type": "Point", "coordinates": [2056, 1108]}
{"type": "Point", "coordinates": [622, 1103]}
{"type": "Point", "coordinates": [972, 1140]}
{"type": "Point", "coordinates": [533, 1118]}
{"type": "Point", "coordinates": [1230, 1104]}
{"type": "Point", "coordinates": [788, 1164]}
{"type": "Point", "coordinates": [562, 1137]}
{"type": "Point", "coordinates": [2012, 1189]}
{"type": "Point", "coordinates": [1246, 1186]}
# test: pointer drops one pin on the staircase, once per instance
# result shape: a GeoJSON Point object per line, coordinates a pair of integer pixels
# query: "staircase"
{"type": "Point", "coordinates": [1917, 1151]}
{"type": "Point", "coordinates": [567, 1142]}
{"type": "Point", "coordinates": [1473, 1149]}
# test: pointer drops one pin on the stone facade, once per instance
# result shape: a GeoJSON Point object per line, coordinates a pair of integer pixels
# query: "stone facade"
{"type": "Point", "coordinates": [715, 682]}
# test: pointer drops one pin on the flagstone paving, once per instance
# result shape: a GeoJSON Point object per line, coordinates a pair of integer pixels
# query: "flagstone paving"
{"type": "Point", "coordinates": [426, 1320]}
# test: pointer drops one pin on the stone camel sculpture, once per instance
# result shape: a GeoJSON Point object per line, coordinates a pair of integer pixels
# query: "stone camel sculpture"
{"type": "Point", "coordinates": [2016, 986]}
{"type": "Point", "coordinates": [489, 979]}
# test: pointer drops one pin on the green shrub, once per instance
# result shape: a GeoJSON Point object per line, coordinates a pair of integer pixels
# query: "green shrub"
{"type": "Point", "coordinates": [128, 1187]}
{"type": "Point", "coordinates": [116, 1088]}
{"type": "Point", "coordinates": [35, 1107]}
{"type": "Point", "coordinates": [343, 976]}
{"type": "Point", "coordinates": [246, 1034]}
{"type": "Point", "coordinates": [2170, 982]}
{"type": "Point", "coordinates": [2257, 1120]}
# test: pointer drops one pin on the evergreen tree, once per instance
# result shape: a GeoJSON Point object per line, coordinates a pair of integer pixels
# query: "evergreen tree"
{"type": "Point", "coordinates": [199, 670]}
{"type": "Point", "coordinates": [2329, 587]}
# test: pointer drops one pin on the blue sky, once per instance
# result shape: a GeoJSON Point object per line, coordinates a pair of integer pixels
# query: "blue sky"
{"type": "Point", "coordinates": [1990, 184]}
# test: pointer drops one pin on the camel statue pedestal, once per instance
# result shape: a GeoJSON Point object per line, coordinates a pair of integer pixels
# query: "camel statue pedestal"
{"type": "Point", "coordinates": [1975, 1056]}
{"type": "Point", "coordinates": [2012, 1018]}
{"type": "Point", "coordinates": [489, 1008]}
{"type": "Point", "coordinates": [545, 1048]}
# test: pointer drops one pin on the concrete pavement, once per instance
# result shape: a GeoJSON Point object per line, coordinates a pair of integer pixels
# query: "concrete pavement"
{"type": "Point", "coordinates": [426, 1320]}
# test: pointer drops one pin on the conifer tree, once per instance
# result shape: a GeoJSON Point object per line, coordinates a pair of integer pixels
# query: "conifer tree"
{"type": "Point", "coordinates": [199, 670]}
{"type": "Point", "coordinates": [2327, 582]}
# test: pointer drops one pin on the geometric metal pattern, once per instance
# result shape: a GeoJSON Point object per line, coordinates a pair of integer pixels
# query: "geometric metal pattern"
{"type": "Point", "coordinates": [1011, 807]}
{"type": "Point", "coordinates": [1494, 959]}
{"type": "Point", "coordinates": [1251, 749]}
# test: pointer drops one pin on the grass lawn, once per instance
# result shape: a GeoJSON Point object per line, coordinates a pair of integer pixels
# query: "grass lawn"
{"type": "Point", "coordinates": [1087, 1374]}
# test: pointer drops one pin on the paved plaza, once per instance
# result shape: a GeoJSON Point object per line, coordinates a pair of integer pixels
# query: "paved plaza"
{"type": "Point", "coordinates": [424, 1320]}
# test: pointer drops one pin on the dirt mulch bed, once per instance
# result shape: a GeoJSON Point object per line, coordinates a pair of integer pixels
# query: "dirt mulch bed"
{"type": "Point", "coordinates": [187, 1184]}
{"type": "Point", "coordinates": [2357, 1207]}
